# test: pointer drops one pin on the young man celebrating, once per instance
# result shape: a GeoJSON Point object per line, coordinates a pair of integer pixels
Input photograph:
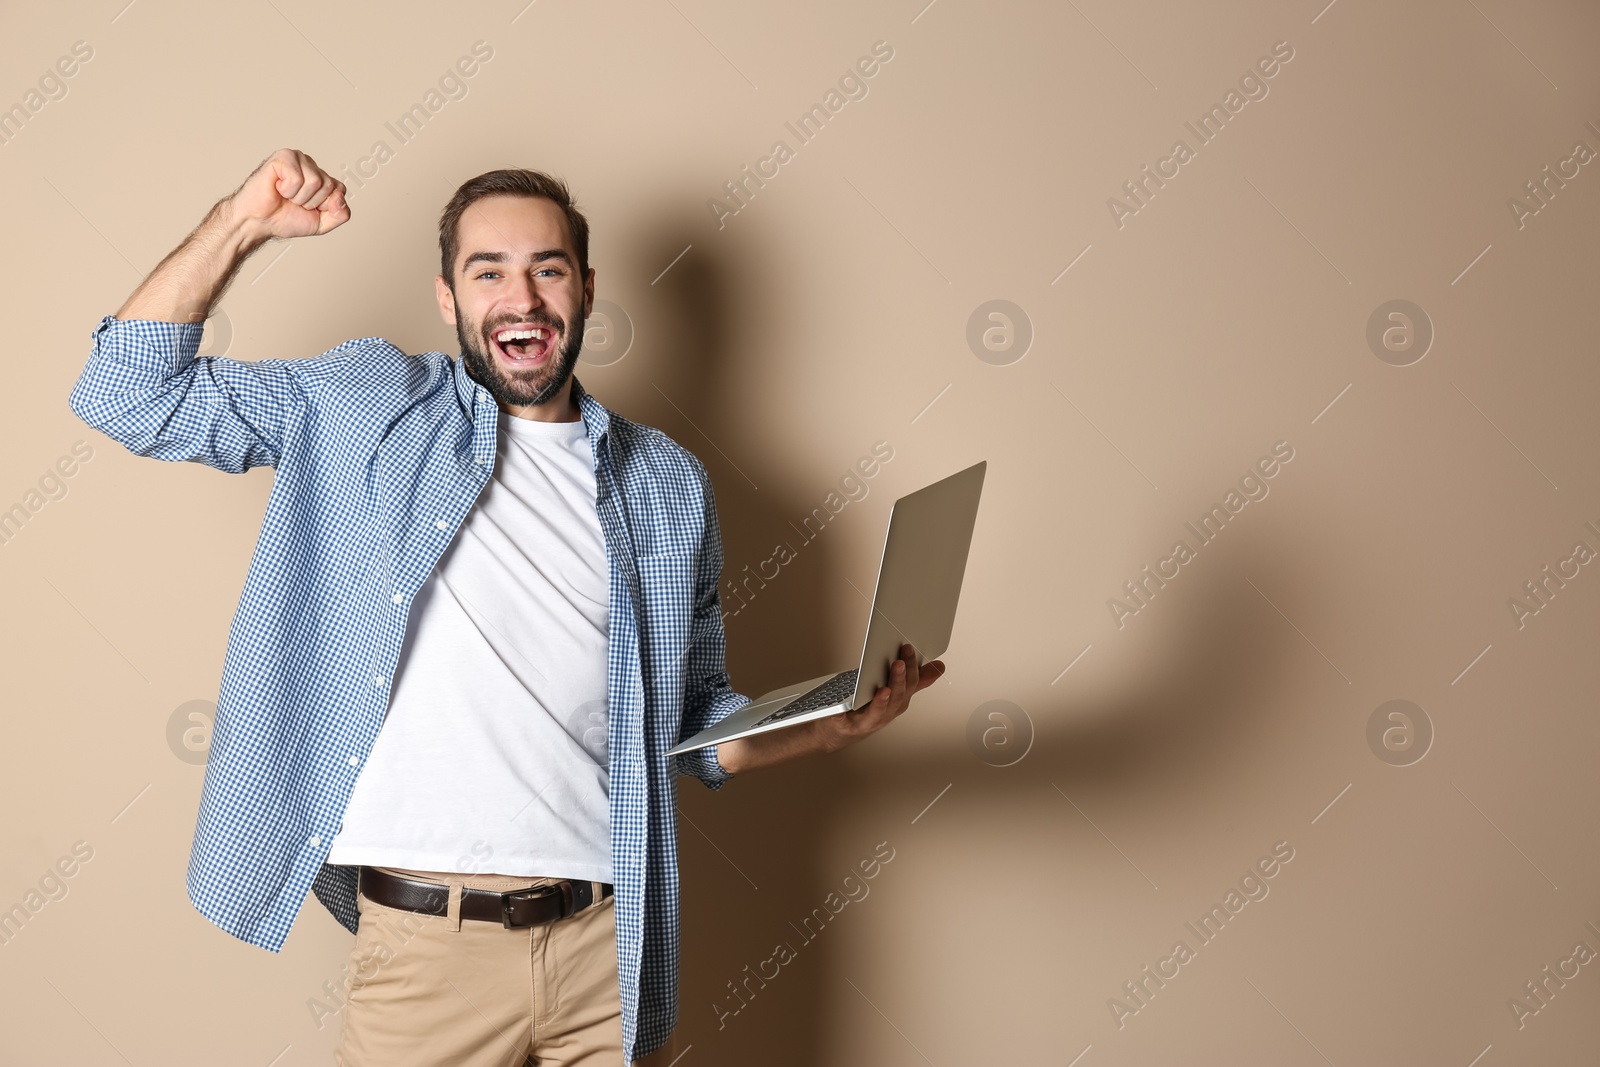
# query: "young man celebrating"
{"type": "Point", "coordinates": [480, 609]}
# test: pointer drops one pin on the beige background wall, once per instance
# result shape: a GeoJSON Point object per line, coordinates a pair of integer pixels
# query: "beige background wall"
{"type": "Point", "coordinates": [1160, 759]}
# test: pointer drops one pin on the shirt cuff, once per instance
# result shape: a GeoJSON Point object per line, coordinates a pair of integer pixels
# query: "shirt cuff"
{"type": "Point", "coordinates": [702, 763]}
{"type": "Point", "coordinates": [162, 347]}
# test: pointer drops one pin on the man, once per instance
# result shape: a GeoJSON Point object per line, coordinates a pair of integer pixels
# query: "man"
{"type": "Point", "coordinates": [480, 609]}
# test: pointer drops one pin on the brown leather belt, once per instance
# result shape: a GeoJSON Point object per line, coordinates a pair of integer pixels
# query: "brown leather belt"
{"type": "Point", "coordinates": [516, 908]}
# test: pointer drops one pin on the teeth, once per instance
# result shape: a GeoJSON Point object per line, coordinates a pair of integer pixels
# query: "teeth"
{"type": "Point", "coordinates": [538, 333]}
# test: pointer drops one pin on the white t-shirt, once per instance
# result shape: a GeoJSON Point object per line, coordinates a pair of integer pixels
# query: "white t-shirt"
{"type": "Point", "coordinates": [493, 753]}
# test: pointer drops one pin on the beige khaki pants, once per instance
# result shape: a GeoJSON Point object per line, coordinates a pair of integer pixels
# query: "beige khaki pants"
{"type": "Point", "coordinates": [439, 989]}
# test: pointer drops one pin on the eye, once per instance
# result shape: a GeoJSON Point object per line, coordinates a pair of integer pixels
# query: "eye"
{"type": "Point", "coordinates": [484, 274]}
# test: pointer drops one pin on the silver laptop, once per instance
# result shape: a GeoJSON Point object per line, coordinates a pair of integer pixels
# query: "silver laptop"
{"type": "Point", "coordinates": [919, 582]}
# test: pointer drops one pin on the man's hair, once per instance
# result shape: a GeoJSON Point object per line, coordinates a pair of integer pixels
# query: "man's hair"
{"type": "Point", "coordinates": [510, 182]}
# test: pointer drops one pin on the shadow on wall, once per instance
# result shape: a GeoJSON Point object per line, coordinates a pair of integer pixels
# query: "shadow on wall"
{"type": "Point", "coordinates": [757, 857]}
{"type": "Point", "coordinates": [774, 636]}
{"type": "Point", "coordinates": [778, 635]}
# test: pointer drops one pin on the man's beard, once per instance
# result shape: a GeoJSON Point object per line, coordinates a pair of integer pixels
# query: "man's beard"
{"type": "Point", "coordinates": [521, 390]}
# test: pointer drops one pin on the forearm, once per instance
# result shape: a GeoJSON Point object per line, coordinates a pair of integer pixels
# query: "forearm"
{"type": "Point", "coordinates": [772, 747]}
{"type": "Point", "coordinates": [187, 284]}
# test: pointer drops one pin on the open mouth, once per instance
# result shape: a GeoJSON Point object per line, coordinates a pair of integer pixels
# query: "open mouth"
{"type": "Point", "coordinates": [522, 343]}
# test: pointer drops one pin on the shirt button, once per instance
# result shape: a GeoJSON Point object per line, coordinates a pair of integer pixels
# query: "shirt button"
{"type": "Point", "coordinates": [354, 760]}
{"type": "Point", "coordinates": [315, 840]}
{"type": "Point", "coordinates": [442, 524]}
{"type": "Point", "coordinates": [398, 598]}
{"type": "Point", "coordinates": [478, 460]}
{"type": "Point", "coordinates": [378, 679]}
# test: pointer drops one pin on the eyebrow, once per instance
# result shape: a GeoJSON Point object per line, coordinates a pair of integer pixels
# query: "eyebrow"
{"type": "Point", "coordinates": [501, 257]}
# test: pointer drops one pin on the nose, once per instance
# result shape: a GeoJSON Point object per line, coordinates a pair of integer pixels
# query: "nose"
{"type": "Point", "coordinates": [523, 295]}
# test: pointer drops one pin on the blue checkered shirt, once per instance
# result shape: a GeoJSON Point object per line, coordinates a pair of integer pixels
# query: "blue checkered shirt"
{"type": "Point", "coordinates": [379, 456]}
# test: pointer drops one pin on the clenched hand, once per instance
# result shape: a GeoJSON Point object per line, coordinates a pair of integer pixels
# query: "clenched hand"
{"type": "Point", "coordinates": [290, 196]}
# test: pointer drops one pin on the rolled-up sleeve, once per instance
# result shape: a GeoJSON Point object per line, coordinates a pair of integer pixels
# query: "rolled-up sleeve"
{"type": "Point", "coordinates": [145, 388]}
{"type": "Point", "coordinates": [708, 695]}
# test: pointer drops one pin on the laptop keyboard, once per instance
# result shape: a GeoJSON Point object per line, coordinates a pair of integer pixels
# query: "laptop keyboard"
{"type": "Point", "coordinates": [836, 690]}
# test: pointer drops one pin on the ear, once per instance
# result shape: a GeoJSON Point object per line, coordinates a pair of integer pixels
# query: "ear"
{"type": "Point", "coordinates": [447, 300]}
{"type": "Point", "coordinates": [588, 294]}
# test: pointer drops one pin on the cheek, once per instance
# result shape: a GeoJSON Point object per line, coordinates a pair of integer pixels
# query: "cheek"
{"type": "Point", "coordinates": [565, 298]}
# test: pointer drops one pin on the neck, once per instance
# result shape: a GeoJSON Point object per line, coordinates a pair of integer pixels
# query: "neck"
{"type": "Point", "coordinates": [561, 408]}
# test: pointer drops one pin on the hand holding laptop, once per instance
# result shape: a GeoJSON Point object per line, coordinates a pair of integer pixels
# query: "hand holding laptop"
{"type": "Point", "coordinates": [905, 680]}
{"type": "Point", "coordinates": [835, 731]}
{"type": "Point", "coordinates": [911, 616]}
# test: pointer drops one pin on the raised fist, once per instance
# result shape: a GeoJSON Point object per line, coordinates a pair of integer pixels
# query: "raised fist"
{"type": "Point", "coordinates": [290, 196]}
